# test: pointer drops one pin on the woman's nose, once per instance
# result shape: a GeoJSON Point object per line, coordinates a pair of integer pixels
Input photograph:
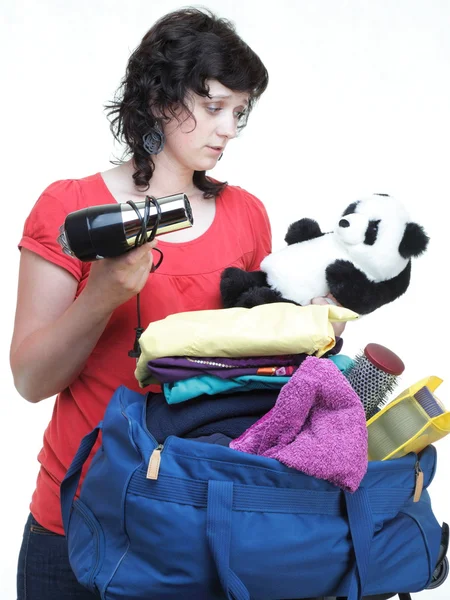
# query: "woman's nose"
{"type": "Point", "coordinates": [228, 126]}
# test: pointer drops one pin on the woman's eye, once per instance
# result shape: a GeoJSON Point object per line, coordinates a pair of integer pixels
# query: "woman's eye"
{"type": "Point", "coordinates": [213, 109]}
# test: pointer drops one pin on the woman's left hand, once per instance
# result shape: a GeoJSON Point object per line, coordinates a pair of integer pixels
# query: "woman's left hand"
{"type": "Point", "coordinates": [329, 299]}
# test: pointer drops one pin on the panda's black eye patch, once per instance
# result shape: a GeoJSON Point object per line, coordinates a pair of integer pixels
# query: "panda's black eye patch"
{"type": "Point", "coordinates": [371, 233]}
{"type": "Point", "coordinates": [351, 208]}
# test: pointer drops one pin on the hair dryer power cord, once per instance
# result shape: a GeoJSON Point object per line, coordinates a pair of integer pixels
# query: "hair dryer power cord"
{"type": "Point", "coordinates": [142, 238]}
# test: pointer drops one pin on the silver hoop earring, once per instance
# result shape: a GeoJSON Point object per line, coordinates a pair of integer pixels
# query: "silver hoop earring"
{"type": "Point", "coordinates": [154, 140]}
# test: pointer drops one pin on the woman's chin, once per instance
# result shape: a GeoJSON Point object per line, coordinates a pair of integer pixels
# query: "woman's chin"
{"type": "Point", "coordinates": [205, 165]}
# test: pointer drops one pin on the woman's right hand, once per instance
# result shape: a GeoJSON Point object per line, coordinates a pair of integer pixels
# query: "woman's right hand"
{"type": "Point", "coordinates": [338, 326]}
{"type": "Point", "coordinates": [113, 281]}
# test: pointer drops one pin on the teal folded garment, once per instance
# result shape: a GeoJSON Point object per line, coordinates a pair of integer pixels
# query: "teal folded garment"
{"type": "Point", "coordinates": [343, 362]}
{"type": "Point", "coordinates": [186, 389]}
{"type": "Point", "coordinates": [180, 391]}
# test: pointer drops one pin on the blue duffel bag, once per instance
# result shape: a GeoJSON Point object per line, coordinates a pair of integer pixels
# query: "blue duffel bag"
{"type": "Point", "coordinates": [200, 521]}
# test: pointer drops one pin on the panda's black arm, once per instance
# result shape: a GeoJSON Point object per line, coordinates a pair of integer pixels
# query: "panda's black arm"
{"type": "Point", "coordinates": [355, 291]}
{"type": "Point", "coordinates": [234, 282]}
{"type": "Point", "coordinates": [256, 296]}
{"type": "Point", "coordinates": [302, 230]}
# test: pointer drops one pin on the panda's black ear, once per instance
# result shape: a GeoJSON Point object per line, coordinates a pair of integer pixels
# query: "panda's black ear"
{"type": "Point", "coordinates": [302, 231]}
{"type": "Point", "coordinates": [414, 241]}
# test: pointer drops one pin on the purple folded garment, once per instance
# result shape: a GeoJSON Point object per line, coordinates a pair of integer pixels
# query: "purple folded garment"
{"type": "Point", "coordinates": [317, 426]}
{"type": "Point", "coordinates": [170, 369]}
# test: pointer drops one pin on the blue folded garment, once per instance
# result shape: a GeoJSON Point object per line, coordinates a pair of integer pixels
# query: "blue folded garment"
{"type": "Point", "coordinates": [187, 389]}
{"type": "Point", "coordinates": [228, 414]}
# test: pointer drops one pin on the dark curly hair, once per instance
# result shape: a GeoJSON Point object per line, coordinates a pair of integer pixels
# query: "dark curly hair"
{"type": "Point", "coordinates": [175, 57]}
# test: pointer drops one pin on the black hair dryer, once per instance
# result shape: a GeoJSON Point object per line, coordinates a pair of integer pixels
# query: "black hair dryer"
{"type": "Point", "coordinates": [110, 230]}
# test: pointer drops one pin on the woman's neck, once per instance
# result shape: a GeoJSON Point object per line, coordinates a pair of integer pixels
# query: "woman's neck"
{"type": "Point", "coordinates": [166, 179]}
{"type": "Point", "coordinates": [169, 178]}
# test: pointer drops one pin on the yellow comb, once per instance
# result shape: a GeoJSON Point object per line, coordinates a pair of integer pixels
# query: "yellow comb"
{"type": "Point", "coordinates": [412, 421]}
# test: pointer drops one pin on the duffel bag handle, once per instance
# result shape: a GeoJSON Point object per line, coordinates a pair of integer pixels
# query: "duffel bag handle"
{"type": "Point", "coordinates": [361, 525]}
{"type": "Point", "coordinates": [218, 532]}
{"type": "Point", "coordinates": [70, 482]}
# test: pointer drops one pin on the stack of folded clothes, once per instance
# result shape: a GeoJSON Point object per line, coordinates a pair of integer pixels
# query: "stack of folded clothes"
{"type": "Point", "coordinates": [223, 373]}
{"type": "Point", "coordinates": [276, 329]}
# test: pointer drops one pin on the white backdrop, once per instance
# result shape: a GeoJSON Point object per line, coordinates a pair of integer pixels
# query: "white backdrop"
{"type": "Point", "coordinates": [358, 102]}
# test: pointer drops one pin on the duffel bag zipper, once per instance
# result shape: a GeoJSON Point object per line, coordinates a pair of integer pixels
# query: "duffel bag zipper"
{"type": "Point", "coordinates": [419, 482]}
{"type": "Point", "coordinates": [154, 462]}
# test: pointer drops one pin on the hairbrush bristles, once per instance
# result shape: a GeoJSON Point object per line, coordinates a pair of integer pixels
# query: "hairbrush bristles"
{"type": "Point", "coordinates": [428, 402]}
{"type": "Point", "coordinates": [374, 376]}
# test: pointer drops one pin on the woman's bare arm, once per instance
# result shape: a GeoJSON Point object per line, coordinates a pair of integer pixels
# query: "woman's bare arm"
{"type": "Point", "coordinates": [54, 333]}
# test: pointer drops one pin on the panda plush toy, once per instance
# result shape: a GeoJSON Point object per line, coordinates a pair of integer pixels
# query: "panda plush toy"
{"type": "Point", "coordinates": [365, 262]}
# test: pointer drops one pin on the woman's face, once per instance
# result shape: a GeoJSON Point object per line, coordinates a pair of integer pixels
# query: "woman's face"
{"type": "Point", "coordinates": [197, 145]}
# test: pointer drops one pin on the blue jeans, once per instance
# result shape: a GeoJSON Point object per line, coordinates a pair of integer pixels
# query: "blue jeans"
{"type": "Point", "coordinates": [44, 571]}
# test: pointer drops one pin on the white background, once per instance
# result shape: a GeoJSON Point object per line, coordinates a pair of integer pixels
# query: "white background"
{"type": "Point", "coordinates": [358, 102]}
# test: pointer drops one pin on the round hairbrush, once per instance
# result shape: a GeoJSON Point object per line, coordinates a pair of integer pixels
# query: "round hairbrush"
{"type": "Point", "coordinates": [374, 375]}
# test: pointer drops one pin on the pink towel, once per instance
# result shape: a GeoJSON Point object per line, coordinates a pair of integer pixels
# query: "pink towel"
{"type": "Point", "coordinates": [317, 426]}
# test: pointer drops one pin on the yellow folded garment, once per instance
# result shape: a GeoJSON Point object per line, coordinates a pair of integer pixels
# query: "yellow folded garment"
{"type": "Point", "coordinates": [266, 330]}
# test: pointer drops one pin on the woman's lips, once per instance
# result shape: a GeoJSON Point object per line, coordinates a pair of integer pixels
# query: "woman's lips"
{"type": "Point", "coordinates": [216, 149]}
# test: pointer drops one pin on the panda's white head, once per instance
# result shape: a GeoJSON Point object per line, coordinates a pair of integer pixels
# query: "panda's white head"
{"type": "Point", "coordinates": [378, 235]}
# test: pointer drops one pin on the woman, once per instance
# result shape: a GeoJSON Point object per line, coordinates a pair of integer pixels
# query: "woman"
{"type": "Point", "coordinates": [181, 102]}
